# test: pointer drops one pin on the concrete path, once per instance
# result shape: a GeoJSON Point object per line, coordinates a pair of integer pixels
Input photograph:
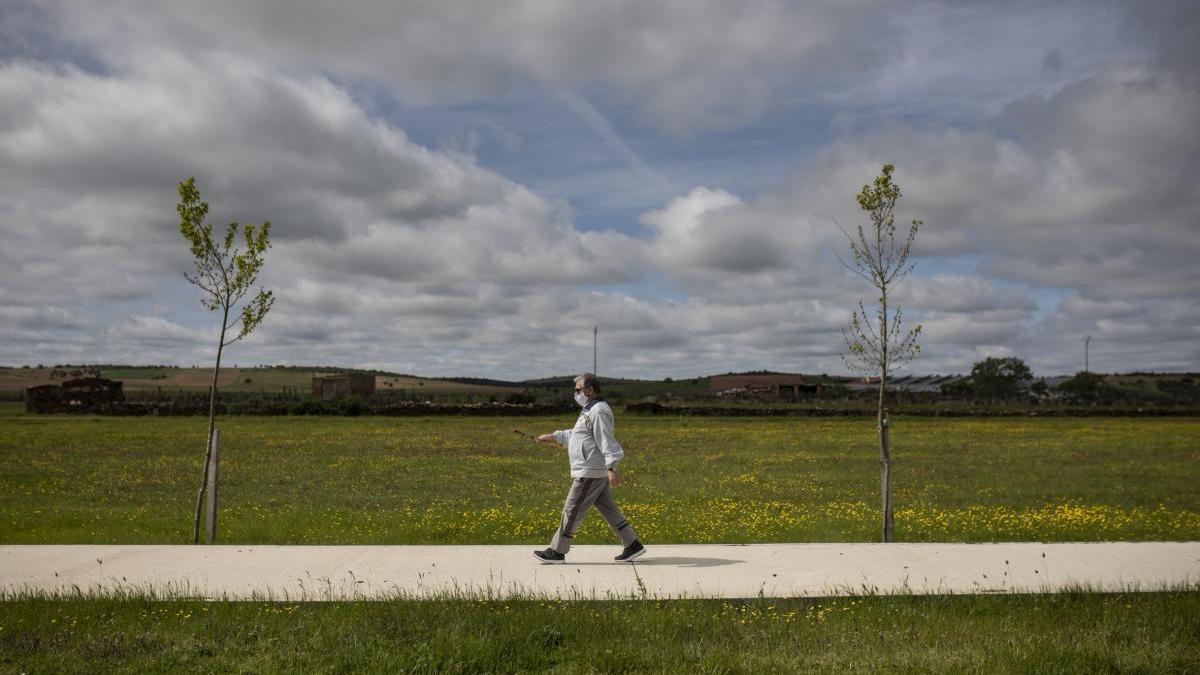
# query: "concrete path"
{"type": "Point", "coordinates": [666, 571]}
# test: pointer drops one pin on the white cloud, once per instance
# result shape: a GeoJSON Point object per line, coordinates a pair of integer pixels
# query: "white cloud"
{"type": "Point", "coordinates": [140, 330]}
{"type": "Point", "coordinates": [688, 66]}
{"type": "Point", "coordinates": [389, 252]}
{"type": "Point", "coordinates": [1102, 201]}
{"type": "Point", "coordinates": [966, 60]}
{"type": "Point", "coordinates": [40, 318]}
{"type": "Point", "coordinates": [359, 212]}
{"type": "Point", "coordinates": [959, 294]}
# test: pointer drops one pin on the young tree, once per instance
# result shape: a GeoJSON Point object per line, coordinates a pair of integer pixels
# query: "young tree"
{"type": "Point", "coordinates": [878, 348]}
{"type": "Point", "coordinates": [225, 274]}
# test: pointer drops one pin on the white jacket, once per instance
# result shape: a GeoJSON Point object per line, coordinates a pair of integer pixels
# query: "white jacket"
{"type": "Point", "coordinates": [591, 446]}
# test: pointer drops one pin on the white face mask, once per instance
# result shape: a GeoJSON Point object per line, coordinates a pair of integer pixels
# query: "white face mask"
{"type": "Point", "coordinates": [581, 398]}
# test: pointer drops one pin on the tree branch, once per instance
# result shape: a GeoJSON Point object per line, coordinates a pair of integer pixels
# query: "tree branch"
{"type": "Point", "coordinates": [852, 269]}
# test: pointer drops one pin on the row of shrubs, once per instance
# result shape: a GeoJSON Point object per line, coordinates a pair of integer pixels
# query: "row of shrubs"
{"type": "Point", "coordinates": [338, 407]}
{"type": "Point", "coordinates": [355, 406]}
{"type": "Point", "coordinates": [912, 411]}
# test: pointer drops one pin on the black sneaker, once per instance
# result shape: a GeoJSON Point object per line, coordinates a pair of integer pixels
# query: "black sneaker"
{"type": "Point", "coordinates": [631, 552]}
{"type": "Point", "coordinates": [550, 557]}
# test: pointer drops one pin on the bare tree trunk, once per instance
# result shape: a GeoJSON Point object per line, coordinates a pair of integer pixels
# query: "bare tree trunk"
{"type": "Point", "coordinates": [885, 478]}
{"type": "Point", "coordinates": [212, 424]}
{"type": "Point", "coordinates": [881, 421]}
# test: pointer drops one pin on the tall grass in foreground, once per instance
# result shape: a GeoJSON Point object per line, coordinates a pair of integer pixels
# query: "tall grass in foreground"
{"type": "Point", "coordinates": [446, 480]}
{"type": "Point", "coordinates": [1074, 632]}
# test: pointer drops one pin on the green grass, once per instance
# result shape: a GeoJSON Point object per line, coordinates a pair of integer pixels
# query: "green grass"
{"type": "Point", "coordinates": [634, 390]}
{"type": "Point", "coordinates": [1070, 633]}
{"type": "Point", "coordinates": [145, 373]}
{"type": "Point", "coordinates": [472, 481]}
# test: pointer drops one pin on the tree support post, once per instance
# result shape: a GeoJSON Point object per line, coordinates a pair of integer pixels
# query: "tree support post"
{"type": "Point", "coordinates": [213, 471]}
{"type": "Point", "coordinates": [201, 492]}
{"type": "Point", "coordinates": [885, 479]}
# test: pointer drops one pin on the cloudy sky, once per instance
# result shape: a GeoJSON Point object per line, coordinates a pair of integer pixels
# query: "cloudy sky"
{"type": "Point", "coordinates": [467, 188]}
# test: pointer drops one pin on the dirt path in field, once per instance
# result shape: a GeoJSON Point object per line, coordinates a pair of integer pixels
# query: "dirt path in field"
{"type": "Point", "coordinates": [667, 571]}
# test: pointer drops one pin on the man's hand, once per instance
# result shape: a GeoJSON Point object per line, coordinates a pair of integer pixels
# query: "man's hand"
{"type": "Point", "coordinates": [614, 478]}
{"type": "Point", "coordinates": [545, 438]}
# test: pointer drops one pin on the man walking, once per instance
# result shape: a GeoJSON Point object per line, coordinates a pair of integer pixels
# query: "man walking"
{"type": "Point", "coordinates": [594, 453]}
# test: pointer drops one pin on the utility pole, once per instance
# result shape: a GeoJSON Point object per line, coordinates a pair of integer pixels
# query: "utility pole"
{"type": "Point", "coordinates": [595, 337]}
{"type": "Point", "coordinates": [1086, 340]}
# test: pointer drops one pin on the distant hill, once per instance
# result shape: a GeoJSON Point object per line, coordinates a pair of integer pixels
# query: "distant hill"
{"type": "Point", "coordinates": [298, 379]}
{"type": "Point", "coordinates": [628, 389]}
{"type": "Point", "coordinates": [484, 382]}
{"type": "Point", "coordinates": [273, 379]}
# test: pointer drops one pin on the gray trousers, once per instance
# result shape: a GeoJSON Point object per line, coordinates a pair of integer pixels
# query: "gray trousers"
{"type": "Point", "coordinates": [585, 493]}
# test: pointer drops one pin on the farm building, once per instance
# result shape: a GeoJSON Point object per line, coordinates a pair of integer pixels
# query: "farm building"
{"type": "Point", "coordinates": [82, 395]}
{"type": "Point", "coordinates": [773, 386]}
{"type": "Point", "coordinates": [337, 385]}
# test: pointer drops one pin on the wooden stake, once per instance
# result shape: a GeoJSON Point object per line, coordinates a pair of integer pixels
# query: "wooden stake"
{"type": "Point", "coordinates": [213, 472]}
{"type": "Point", "coordinates": [885, 479]}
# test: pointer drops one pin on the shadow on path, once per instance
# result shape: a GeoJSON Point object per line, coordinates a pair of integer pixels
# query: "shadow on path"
{"type": "Point", "coordinates": [676, 562]}
{"type": "Point", "coordinates": [688, 562]}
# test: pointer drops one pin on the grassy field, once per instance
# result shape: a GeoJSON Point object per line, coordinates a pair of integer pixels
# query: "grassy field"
{"type": "Point", "coordinates": [1072, 633]}
{"type": "Point", "coordinates": [472, 481]}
